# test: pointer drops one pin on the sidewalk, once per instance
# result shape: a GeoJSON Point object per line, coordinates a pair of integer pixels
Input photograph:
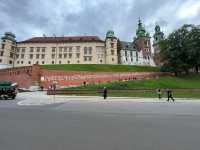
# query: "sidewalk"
{"type": "Point", "coordinates": [40, 98]}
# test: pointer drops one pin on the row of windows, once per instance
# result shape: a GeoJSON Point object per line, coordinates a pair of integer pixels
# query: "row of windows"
{"type": "Point", "coordinates": [3, 47]}
{"type": "Point", "coordinates": [131, 59]}
{"type": "Point", "coordinates": [37, 49]}
{"type": "Point", "coordinates": [87, 50]}
{"type": "Point", "coordinates": [42, 56]}
{"type": "Point", "coordinates": [66, 49]}
{"type": "Point", "coordinates": [11, 54]}
{"type": "Point", "coordinates": [31, 56]}
{"type": "Point", "coordinates": [29, 62]}
{"type": "Point", "coordinates": [43, 62]}
{"type": "Point", "coordinates": [10, 62]}
{"type": "Point", "coordinates": [87, 58]}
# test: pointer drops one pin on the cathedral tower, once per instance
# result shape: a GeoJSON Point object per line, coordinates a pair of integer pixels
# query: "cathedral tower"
{"type": "Point", "coordinates": [143, 43]}
{"type": "Point", "coordinates": [158, 36]}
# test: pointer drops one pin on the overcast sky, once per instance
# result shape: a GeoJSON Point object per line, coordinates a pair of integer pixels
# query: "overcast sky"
{"type": "Point", "coordinates": [27, 18]}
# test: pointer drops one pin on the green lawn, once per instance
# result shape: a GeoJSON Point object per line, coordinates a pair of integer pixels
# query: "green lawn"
{"type": "Point", "coordinates": [101, 68]}
{"type": "Point", "coordinates": [191, 82]}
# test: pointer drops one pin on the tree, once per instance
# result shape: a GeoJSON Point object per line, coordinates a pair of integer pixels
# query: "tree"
{"type": "Point", "coordinates": [180, 51]}
{"type": "Point", "coordinates": [194, 47]}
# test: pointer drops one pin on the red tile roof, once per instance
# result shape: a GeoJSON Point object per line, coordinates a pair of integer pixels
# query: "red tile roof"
{"type": "Point", "coordinates": [63, 39]}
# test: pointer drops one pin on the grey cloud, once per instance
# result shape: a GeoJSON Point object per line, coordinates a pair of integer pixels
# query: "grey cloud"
{"type": "Point", "coordinates": [28, 18]}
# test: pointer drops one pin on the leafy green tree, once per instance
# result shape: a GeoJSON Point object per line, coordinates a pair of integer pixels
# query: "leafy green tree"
{"type": "Point", "coordinates": [194, 47]}
{"type": "Point", "coordinates": [180, 51]}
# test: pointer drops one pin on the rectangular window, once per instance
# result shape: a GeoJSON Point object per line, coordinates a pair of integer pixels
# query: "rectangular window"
{"type": "Point", "coordinates": [85, 58]}
{"type": "Point", "coordinates": [112, 52]}
{"type": "Point", "coordinates": [53, 49]}
{"type": "Point", "coordinates": [65, 55]}
{"type": "Point", "coordinates": [85, 50]}
{"type": "Point", "coordinates": [60, 49]}
{"type": "Point", "coordinates": [3, 46]}
{"type": "Point", "coordinates": [43, 56]}
{"type": "Point", "coordinates": [112, 45]}
{"type": "Point", "coordinates": [70, 49]}
{"type": "Point", "coordinates": [12, 48]}
{"type": "Point", "coordinates": [78, 49]}
{"type": "Point", "coordinates": [1, 53]}
{"type": "Point", "coordinates": [37, 56]}
{"type": "Point", "coordinates": [31, 56]}
{"type": "Point", "coordinates": [22, 56]}
{"type": "Point", "coordinates": [11, 55]}
{"type": "Point", "coordinates": [77, 55]}
{"type": "Point", "coordinates": [65, 49]}
{"type": "Point", "coordinates": [31, 49]}
{"type": "Point", "coordinates": [43, 49]}
{"type": "Point", "coordinates": [53, 56]}
{"type": "Point", "coordinates": [70, 55]}
{"type": "Point", "coordinates": [17, 56]}
{"type": "Point", "coordinates": [90, 50]}
{"type": "Point", "coordinates": [131, 54]}
{"type": "Point", "coordinates": [0, 60]}
{"type": "Point", "coordinates": [18, 50]}
{"type": "Point", "coordinates": [90, 58]}
{"type": "Point", "coordinates": [60, 55]}
{"type": "Point", "coordinates": [23, 50]}
{"type": "Point", "coordinates": [38, 49]}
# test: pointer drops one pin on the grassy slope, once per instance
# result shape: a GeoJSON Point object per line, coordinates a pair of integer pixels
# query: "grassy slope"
{"type": "Point", "coordinates": [101, 68]}
{"type": "Point", "coordinates": [162, 82]}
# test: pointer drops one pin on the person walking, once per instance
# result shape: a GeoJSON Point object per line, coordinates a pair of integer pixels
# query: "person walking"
{"type": "Point", "coordinates": [105, 92]}
{"type": "Point", "coordinates": [169, 95]}
{"type": "Point", "coordinates": [159, 94]}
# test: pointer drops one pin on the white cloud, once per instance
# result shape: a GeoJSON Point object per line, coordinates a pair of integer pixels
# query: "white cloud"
{"type": "Point", "coordinates": [190, 9]}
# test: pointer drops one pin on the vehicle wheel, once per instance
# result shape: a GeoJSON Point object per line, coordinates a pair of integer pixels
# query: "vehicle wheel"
{"type": "Point", "coordinates": [13, 97]}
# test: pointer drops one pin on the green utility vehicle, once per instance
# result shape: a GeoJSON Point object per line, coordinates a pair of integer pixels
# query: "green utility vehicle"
{"type": "Point", "coordinates": [7, 90]}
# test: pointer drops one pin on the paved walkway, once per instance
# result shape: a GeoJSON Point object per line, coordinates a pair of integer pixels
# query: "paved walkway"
{"type": "Point", "coordinates": [40, 98]}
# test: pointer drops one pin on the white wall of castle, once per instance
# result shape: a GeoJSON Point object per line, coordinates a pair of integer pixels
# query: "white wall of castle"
{"type": "Point", "coordinates": [60, 53]}
{"type": "Point", "coordinates": [27, 54]}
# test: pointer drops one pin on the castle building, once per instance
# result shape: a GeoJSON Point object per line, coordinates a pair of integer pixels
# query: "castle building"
{"type": "Point", "coordinates": [137, 52]}
{"type": "Point", "coordinates": [76, 50]}
{"type": "Point", "coordinates": [158, 37]}
{"type": "Point", "coordinates": [7, 50]}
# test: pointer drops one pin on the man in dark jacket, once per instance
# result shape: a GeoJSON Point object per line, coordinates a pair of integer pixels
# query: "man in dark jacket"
{"type": "Point", "coordinates": [105, 92]}
{"type": "Point", "coordinates": [169, 95]}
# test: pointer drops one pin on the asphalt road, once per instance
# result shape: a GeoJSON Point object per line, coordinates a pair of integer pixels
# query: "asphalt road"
{"type": "Point", "coordinates": [78, 125]}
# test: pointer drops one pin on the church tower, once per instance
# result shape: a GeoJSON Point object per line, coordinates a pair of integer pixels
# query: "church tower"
{"type": "Point", "coordinates": [143, 43]}
{"type": "Point", "coordinates": [111, 48]}
{"type": "Point", "coordinates": [158, 36]}
{"type": "Point", "coordinates": [7, 50]}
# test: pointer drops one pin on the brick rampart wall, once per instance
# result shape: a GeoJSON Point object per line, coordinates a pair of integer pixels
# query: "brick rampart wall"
{"type": "Point", "coordinates": [64, 78]}
{"type": "Point", "coordinates": [34, 75]}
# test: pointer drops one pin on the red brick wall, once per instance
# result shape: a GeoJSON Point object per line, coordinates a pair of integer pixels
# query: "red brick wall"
{"type": "Point", "coordinates": [34, 75]}
{"type": "Point", "coordinates": [64, 78]}
{"type": "Point", "coordinates": [24, 76]}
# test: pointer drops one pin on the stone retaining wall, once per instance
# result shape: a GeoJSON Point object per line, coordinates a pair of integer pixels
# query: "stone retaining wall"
{"type": "Point", "coordinates": [35, 75]}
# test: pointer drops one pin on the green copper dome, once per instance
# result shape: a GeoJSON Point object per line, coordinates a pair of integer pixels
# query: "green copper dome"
{"type": "Point", "coordinates": [9, 36]}
{"type": "Point", "coordinates": [110, 34]}
{"type": "Point", "coordinates": [158, 36]}
{"type": "Point", "coordinates": [141, 32]}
